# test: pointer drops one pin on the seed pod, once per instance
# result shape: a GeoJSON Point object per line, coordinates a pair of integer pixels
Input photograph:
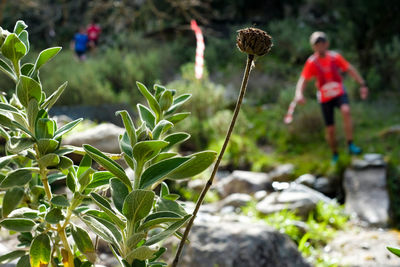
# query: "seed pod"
{"type": "Point", "coordinates": [253, 41]}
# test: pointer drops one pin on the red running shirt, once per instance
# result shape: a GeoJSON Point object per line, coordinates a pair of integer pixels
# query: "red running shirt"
{"type": "Point", "coordinates": [327, 72]}
{"type": "Point", "coordinates": [93, 32]}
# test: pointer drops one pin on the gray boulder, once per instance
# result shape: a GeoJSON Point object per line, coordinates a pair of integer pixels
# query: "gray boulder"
{"type": "Point", "coordinates": [196, 185]}
{"type": "Point", "coordinates": [328, 186]}
{"type": "Point", "coordinates": [306, 179]}
{"type": "Point", "coordinates": [228, 244]}
{"type": "Point", "coordinates": [296, 197]}
{"type": "Point", "coordinates": [243, 182]}
{"type": "Point", "coordinates": [282, 173]}
{"type": "Point", "coordinates": [366, 193]}
{"type": "Point", "coordinates": [236, 200]}
{"type": "Point", "coordinates": [103, 136]}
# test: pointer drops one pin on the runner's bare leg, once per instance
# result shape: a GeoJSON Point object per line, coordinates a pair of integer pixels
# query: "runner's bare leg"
{"type": "Point", "coordinates": [331, 137]}
{"type": "Point", "coordinates": [347, 122]}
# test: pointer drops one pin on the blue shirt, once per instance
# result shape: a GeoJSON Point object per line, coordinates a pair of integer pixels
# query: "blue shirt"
{"type": "Point", "coordinates": [81, 41]}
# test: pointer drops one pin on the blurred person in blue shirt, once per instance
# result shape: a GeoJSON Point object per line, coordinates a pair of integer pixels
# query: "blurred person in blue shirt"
{"type": "Point", "coordinates": [80, 43]}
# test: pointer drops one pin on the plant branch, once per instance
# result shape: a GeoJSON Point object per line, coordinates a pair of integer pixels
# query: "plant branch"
{"type": "Point", "coordinates": [45, 181]}
{"type": "Point", "coordinates": [63, 237]}
{"type": "Point", "coordinates": [250, 59]}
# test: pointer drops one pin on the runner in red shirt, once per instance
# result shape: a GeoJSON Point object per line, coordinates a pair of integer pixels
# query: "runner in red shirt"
{"type": "Point", "coordinates": [93, 32]}
{"type": "Point", "coordinates": [326, 67]}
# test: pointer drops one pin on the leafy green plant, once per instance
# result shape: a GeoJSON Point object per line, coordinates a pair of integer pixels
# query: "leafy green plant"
{"type": "Point", "coordinates": [133, 220]}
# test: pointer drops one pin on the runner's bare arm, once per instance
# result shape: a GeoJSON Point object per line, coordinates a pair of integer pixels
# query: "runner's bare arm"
{"type": "Point", "coordinates": [301, 84]}
{"type": "Point", "coordinates": [357, 77]}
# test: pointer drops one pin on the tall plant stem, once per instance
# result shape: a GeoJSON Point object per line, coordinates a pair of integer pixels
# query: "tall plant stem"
{"type": "Point", "coordinates": [250, 59]}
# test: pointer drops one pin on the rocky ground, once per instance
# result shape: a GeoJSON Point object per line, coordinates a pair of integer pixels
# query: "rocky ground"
{"type": "Point", "coordinates": [364, 247]}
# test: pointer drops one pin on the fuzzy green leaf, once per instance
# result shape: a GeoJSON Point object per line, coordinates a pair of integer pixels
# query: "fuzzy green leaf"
{"type": "Point", "coordinates": [104, 229]}
{"type": "Point", "coordinates": [46, 145]}
{"type": "Point", "coordinates": [141, 253]}
{"type": "Point", "coordinates": [45, 56]}
{"type": "Point", "coordinates": [147, 116]}
{"type": "Point", "coordinates": [66, 128]}
{"type": "Point", "coordinates": [159, 89]}
{"type": "Point", "coordinates": [45, 128]}
{"type": "Point", "coordinates": [106, 207]}
{"type": "Point", "coordinates": [12, 256]}
{"type": "Point", "coordinates": [157, 218]}
{"type": "Point", "coordinates": [153, 104]}
{"type": "Point", "coordinates": [85, 178]}
{"type": "Point", "coordinates": [146, 150]}
{"type": "Point", "coordinates": [395, 251]}
{"type": "Point", "coordinates": [174, 139]}
{"type": "Point", "coordinates": [65, 162]}
{"type": "Point", "coordinates": [6, 122]}
{"type": "Point", "coordinates": [18, 224]}
{"type": "Point", "coordinates": [40, 251]}
{"type": "Point", "coordinates": [99, 179]}
{"type": "Point", "coordinates": [8, 107]}
{"type": "Point", "coordinates": [60, 201]}
{"type": "Point", "coordinates": [17, 177]}
{"type": "Point", "coordinates": [178, 117]}
{"type": "Point", "coordinates": [84, 165]}
{"type": "Point", "coordinates": [20, 25]}
{"type": "Point", "coordinates": [4, 67]}
{"type": "Point", "coordinates": [13, 48]}
{"type": "Point", "coordinates": [24, 261]}
{"type": "Point", "coordinates": [24, 213]}
{"type": "Point", "coordinates": [24, 37]}
{"type": "Point", "coordinates": [27, 69]}
{"type": "Point", "coordinates": [179, 101]}
{"type": "Point", "coordinates": [11, 200]}
{"type": "Point", "coordinates": [84, 243]}
{"type": "Point", "coordinates": [164, 189]}
{"type": "Point", "coordinates": [19, 144]}
{"type": "Point", "coordinates": [52, 99]}
{"type": "Point", "coordinates": [54, 216]}
{"type": "Point", "coordinates": [161, 127]}
{"type": "Point", "coordinates": [135, 239]}
{"type": "Point", "coordinates": [167, 232]}
{"type": "Point", "coordinates": [32, 112]}
{"type": "Point", "coordinates": [129, 126]}
{"type": "Point", "coordinates": [125, 145]}
{"type": "Point", "coordinates": [108, 164]}
{"type": "Point", "coordinates": [49, 160]}
{"type": "Point", "coordinates": [28, 88]}
{"type": "Point", "coordinates": [160, 170]}
{"type": "Point", "coordinates": [170, 206]}
{"type": "Point", "coordinates": [164, 155]}
{"type": "Point", "coordinates": [157, 255]}
{"type": "Point", "coordinates": [198, 163]}
{"type": "Point", "coordinates": [137, 205]}
{"type": "Point", "coordinates": [71, 183]}
{"type": "Point", "coordinates": [56, 177]}
{"type": "Point", "coordinates": [4, 161]}
{"type": "Point", "coordinates": [166, 100]}
{"type": "Point", "coordinates": [119, 191]}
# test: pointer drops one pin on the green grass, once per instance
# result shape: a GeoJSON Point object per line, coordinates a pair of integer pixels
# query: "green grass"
{"type": "Point", "coordinates": [321, 226]}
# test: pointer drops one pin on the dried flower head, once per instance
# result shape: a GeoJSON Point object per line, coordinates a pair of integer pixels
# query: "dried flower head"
{"type": "Point", "coordinates": [253, 41]}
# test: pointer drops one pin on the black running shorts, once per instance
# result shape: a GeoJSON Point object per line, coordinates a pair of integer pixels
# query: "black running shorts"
{"type": "Point", "coordinates": [328, 108]}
